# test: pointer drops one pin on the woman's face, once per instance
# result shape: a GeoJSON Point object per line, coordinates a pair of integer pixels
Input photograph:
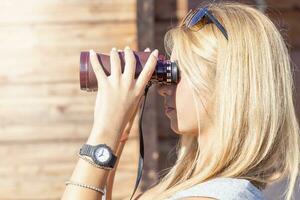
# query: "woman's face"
{"type": "Point", "coordinates": [183, 116]}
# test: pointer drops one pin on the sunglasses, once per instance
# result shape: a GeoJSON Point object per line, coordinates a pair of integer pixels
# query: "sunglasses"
{"type": "Point", "coordinates": [198, 18]}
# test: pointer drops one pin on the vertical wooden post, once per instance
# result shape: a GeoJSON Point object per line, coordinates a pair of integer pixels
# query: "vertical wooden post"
{"type": "Point", "coordinates": [145, 24]}
{"type": "Point", "coordinates": [145, 32]}
{"type": "Point", "coordinates": [154, 18]}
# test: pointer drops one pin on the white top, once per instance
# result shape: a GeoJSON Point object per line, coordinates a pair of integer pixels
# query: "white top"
{"type": "Point", "coordinates": [222, 189]}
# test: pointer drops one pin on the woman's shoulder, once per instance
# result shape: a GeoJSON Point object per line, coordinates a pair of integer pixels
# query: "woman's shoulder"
{"type": "Point", "coordinates": [223, 188]}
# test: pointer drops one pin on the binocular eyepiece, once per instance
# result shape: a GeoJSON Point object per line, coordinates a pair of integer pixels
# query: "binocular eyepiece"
{"type": "Point", "coordinates": [166, 71]}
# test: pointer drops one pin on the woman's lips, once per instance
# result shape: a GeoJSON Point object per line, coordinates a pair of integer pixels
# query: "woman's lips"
{"type": "Point", "coordinates": [169, 109]}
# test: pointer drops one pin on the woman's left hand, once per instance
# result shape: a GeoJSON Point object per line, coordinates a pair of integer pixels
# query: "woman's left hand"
{"type": "Point", "coordinates": [119, 94]}
{"type": "Point", "coordinates": [136, 115]}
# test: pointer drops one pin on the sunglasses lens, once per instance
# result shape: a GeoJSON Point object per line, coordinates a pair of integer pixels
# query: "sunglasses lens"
{"type": "Point", "coordinates": [200, 24]}
{"type": "Point", "coordinates": [198, 18]}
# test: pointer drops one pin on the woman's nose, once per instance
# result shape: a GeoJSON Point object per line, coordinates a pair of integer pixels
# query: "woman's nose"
{"type": "Point", "coordinates": [164, 90]}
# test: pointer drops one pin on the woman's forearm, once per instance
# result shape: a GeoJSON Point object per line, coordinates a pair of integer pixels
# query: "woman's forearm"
{"type": "Point", "coordinates": [111, 175]}
{"type": "Point", "coordinates": [88, 174]}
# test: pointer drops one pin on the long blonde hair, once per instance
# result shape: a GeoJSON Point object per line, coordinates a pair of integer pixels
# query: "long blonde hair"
{"type": "Point", "coordinates": [249, 81]}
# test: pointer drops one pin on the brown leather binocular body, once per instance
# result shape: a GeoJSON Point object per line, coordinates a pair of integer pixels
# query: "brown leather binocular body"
{"type": "Point", "coordinates": [166, 71]}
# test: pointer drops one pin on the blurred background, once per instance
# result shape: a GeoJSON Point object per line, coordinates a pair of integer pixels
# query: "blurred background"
{"type": "Point", "coordinates": [45, 117]}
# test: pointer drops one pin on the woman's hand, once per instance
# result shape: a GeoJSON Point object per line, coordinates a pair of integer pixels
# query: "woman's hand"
{"type": "Point", "coordinates": [128, 126]}
{"type": "Point", "coordinates": [119, 94]}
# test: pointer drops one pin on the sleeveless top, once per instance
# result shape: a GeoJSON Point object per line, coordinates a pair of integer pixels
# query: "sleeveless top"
{"type": "Point", "coordinates": [222, 188]}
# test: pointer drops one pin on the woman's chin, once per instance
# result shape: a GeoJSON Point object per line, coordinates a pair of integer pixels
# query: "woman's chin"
{"type": "Point", "coordinates": [181, 131]}
{"type": "Point", "coordinates": [174, 127]}
{"type": "Point", "coordinates": [173, 122]}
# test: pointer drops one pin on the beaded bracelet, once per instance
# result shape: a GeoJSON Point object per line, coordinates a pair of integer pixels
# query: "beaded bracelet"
{"type": "Point", "coordinates": [85, 186]}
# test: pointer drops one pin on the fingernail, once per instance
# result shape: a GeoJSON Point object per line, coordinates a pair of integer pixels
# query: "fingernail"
{"type": "Point", "coordinates": [127, 47]}
{"type": "Point", "coordinates": [92, 51]}
{"type": "Point", "coordinates": [155, 53]}
{"type": "Point", "coordinates": [114, 49]}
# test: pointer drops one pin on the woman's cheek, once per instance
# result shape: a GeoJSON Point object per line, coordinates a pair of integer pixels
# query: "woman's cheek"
{"type": "Point", "coordinates": [186, 110]}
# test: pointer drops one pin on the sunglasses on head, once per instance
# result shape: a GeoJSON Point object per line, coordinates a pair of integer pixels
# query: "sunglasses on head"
{"type": "Point", "coordinates": [198, 18]}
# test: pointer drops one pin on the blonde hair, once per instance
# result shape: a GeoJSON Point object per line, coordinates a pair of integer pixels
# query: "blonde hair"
{"type": "Point", "coordinates": [248, 78]}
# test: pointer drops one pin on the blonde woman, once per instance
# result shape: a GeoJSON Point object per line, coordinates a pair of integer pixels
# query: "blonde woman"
{"type": "Point", "coordinates": [233, 109]}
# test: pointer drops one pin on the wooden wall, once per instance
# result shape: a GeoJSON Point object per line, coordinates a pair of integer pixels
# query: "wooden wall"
{"type": "Point", "coordinates": [44, 116]}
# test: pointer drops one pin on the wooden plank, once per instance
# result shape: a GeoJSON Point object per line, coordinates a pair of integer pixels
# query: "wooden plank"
{"type": "Point", "coordinates": [146, 14]}
{"type": "Point", "coordinates": [165, 10]}
{"type": "Point", "coordinates": [150, 133]}
{"type": "Point", "coordinates": [44, 132]}
{"type": "Point", "coordinates": [40, 112]}
{"type": "Point", "coordinates": [287, 22]}
{"type": "Point", "coordinates": [41, 105]}
{"type": "Point", "coordinates": [182, 8]}
{"type": "Point", "coordinates": [290, 4]}
{"type": "Point", "coordinates": [38, 171]}
{"type": "Point", "coordinates": [37, 36]}
{"type": "Point", "coordinates": [295, 55]}
{"type": "Point", "coordinates": [43, 90]}
{"type": "Point", "coordinates": [166, 152]}
{"type": "Point", "coordinates": [51, 53]}
{"type": "Point", "coordinates": [57, 11]}
{"type": "Point", "coordinates": [52, 110]}
{"type": "Point", "coordinates": [145, 24]}
{"type": "Point", "coordinates": [170, 10]}
{"type": "Point", "coordinates": [45, 117]}
{"type": "Point", "coordinates": [161, 27]}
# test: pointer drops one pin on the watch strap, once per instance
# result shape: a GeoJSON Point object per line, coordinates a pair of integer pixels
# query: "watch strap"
{"type": "Point", "coordinates": [86, 150]}
{"type": "Point", "coordinates": [112, 161]}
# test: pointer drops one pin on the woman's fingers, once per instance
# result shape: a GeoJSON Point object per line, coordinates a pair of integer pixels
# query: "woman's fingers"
{"type": "Point", "coordinates": [130, 63]}
{"type": "Point", "coordinates": [147, 71]}
{"type": "Point", "coordinates": [130, 67]}
{"type": "Point", "coordinates": [115, 64]}
{"type": "Point", "coordinates": [97, 67]}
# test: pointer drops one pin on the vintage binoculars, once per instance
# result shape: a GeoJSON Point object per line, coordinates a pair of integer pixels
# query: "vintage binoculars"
{"type": "Point", "coordinates": [166, 71]}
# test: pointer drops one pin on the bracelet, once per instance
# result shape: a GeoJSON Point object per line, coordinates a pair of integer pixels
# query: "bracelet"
{"type": "Point", "coordinates": [92, 163]}
{"type": "Point", "coordinates": [85, 186]}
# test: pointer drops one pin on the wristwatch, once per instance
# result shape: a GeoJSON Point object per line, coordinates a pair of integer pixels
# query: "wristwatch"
{"type": "Point", "coordinates": [101, 155]}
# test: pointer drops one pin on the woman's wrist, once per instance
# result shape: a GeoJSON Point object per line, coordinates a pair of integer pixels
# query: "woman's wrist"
{"type": "Point", "coordinates": [110, 137]}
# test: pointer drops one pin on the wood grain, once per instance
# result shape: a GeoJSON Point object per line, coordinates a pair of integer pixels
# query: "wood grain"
{"type": "Point", "coordinates": [51, 53]}
{"type": "Point", "coordinates": [45, 117]}
{"type": "Point", "coordinates": [38, 171]}
{"type": "Point", "coordinates": [69, 11]}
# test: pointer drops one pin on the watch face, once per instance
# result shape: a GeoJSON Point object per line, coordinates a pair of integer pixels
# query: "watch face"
{"type": "Point", "coordinates": [102, 154]}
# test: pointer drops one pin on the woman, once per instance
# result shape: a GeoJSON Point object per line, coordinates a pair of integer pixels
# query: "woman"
{"type": "Point", "coordinates": [233, 108]}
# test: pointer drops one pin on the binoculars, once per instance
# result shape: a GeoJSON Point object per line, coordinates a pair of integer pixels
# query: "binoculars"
{"type": "Point", "coordinates": [166, 71]}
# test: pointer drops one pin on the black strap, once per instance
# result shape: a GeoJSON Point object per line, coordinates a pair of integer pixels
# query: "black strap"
{"type": "Point", "coordinates": [141, 158]}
